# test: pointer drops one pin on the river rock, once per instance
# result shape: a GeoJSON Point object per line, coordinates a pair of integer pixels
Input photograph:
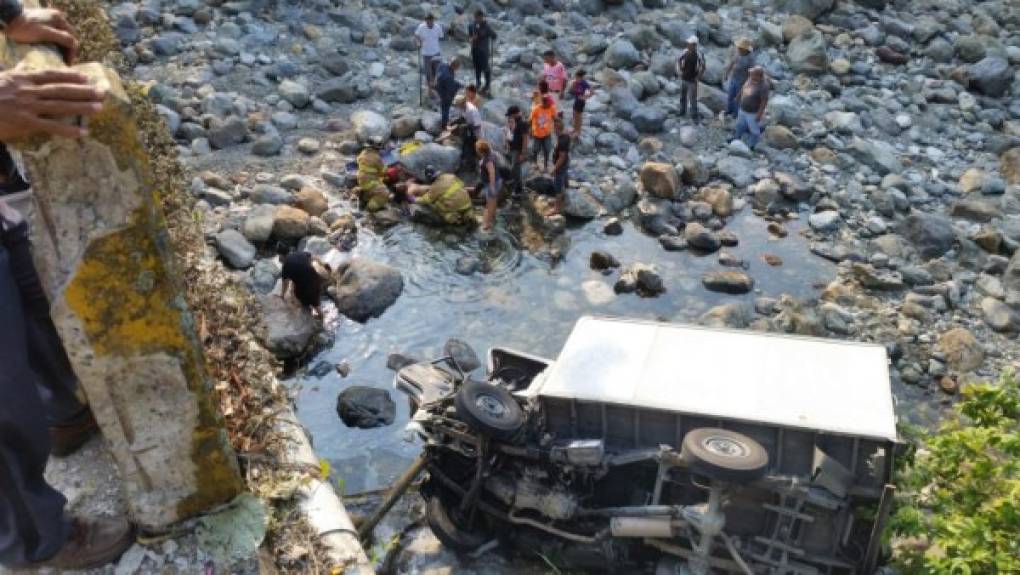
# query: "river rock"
{"type": "Point", "coordinates": [365, 289]}
{"type": "Point", "coordinates": [640, 278]}
{"type": "Point", "coordinates": [701, 238]}
{"type": "Point", "coordinates": [810, 9]}
{"type": "Point", "coordinates": [366, 407]}
{"type": "Point", "coordinates": [871, 278]}
{"type": "Point", "coordinates": [648, 119]}
{"type": "Point", "coordinates": [807, 53]}
{"type": "Point", "coordinates": [267, 194]}
{"type": "Point", "coordinates": [930, 234]}
{"type": "Point", "coordinates": [827, 221]}
{"type": "Point", "coordinates": [258, 223]}
{"type": "Point", "coordinates": [889, 55]}
{"type": "Point", "coordinates": [622, 54]}
{"type": "Point", "coordinates": [226, 132]}
{"type": "Point", "coordinates": [602, 260]}
{"type": "Point", "coordinates": [1009, 165]}
{"type": "Point", "coordinates": [991, 76]}
{"type": "Point", "coordinates": [311, 200]}
{"type": "Point", "coordinates": [295, 93]}
{"type": "Point", "coordinates": [370, 127]}
{"type": "Point", "coordinates": [877, 155]}
{"type": "Point", "coordinates": [660, 180]}
{"type": "Point", "coordinates": [739, 171]}
{"type": "Point", "coordinates": [235, 248]}
{"type": "Point", "coordinates": [961, 349]}
{"type": "Point", "coordinates": [731, 315]}
{"type": "Point", "coordinates": [270, 144]}
{"type": "Point", "coordinates": [794, 26]}
{"type": "Point", "coordinates": [289, 326]}
{"type": "Point", "coordinates": [998, 315]}
{"type": "Point", "coordinates": [290, 223]}
{"type": "Point", "coordinates": [730, 282]}
{"type": "Point", "coordinates": [444, 159]}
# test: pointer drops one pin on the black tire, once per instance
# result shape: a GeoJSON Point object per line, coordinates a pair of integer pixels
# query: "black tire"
{"type": "Point", "coordinates": [724, 455]}
{"type": "Point", "coordinates": [489, 410]}
{"type": "Point", "coordinates": [450, 531]}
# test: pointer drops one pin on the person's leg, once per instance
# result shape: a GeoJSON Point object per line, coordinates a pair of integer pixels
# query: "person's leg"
{"type": "Point", "coordinates": [741, 126]}
{"type": "Point", "coordinates": [478, 62]}
{"type": "Point", "coordinates": [695, 113]}
{"type": "Point", "coordinates": [578, 122]}
{"type": "Point", "coordinates": [546, 151]}
{"type": "Point", "coordinates": [444, 112]}
{"type": "Point", "coordinates": [732, 89]}
{"type": "Point", "coordinates": [488, 74]}
{"type": "Point", "coordinates": [754, 129]}
{"type": "Point", "coordinates": [683, 97]}
{"type": "Point", "coordinates": [33, 526]}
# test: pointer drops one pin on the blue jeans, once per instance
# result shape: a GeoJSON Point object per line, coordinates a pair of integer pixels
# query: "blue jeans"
{"type": "Point", "coordinates": [732, 89]}
{"type": "Point", "coordinates": [747, 123]}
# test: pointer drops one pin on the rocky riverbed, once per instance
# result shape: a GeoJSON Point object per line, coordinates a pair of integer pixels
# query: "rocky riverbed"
{"type": "Point", "coordinates": [882, 205]}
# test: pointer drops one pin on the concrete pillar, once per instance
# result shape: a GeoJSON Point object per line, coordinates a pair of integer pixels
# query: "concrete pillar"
{"type": "Point", "coordinates": [102, 249]}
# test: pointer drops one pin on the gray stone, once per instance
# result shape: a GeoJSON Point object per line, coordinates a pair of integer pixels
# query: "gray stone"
{"type": "Point", "coordinates": [701, 238]}
{"type": "Point", "coordinates": [622, 54]}
{"type": "Point", "coordinates": [295, 93]}
{"type": "Point", "coordinates": [877, 155]}
{"type": "Point", "coordinates": [444, 159]}
{"type": "Point", "coordinates": [267, 194]}
{"type": "Point", "coordinates": [235, 248]}
{"type": "Point", "coordinates": [810, 9]}
{"type": "Point", "coordinates": [870, 277]}
{"type": "Point", "coordinates": [366, 407]}
{"type": "Point", "coordinates": [827, 221]}
{"type": "Point", "coordinates": [225, 133]}
{"type": "Point", "coordinates": [268, 145]}
{"type": "Point", "coordinates": [998, 315]}
{"type": "Point", "coordinates": [739, 171]}
{"type": "Point", "coordinates": [365, 289]}
{"type": "Point", "coordinates": [370, 127]}
{"type": "Point", "coordinates": [930, 234]}
{"type": "Point", "coordinates": [289, 327]}
{"type": "Point", "coordinates": [807, 53]}
{"type": "Point", "coordinates": [648, 119]}
{"type": "Point", "coordinates": [992, 76]}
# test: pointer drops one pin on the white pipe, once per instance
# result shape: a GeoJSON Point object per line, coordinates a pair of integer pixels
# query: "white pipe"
{"type": "Point", "coordinates": [320, 505]}
{"type": "Point", "coordinates": [658, 527]}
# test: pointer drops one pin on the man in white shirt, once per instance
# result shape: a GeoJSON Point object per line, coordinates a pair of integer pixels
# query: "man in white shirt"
{"type": "Point", "coordinates": [427, 36]}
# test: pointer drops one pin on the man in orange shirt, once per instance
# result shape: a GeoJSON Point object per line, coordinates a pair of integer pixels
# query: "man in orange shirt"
{"type": "Point", "coordinates": [542, 118]}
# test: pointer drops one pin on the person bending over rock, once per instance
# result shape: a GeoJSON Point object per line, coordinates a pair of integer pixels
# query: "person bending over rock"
{"type": "Point", "coordinates": [445, 201]}
{"type": "Point", "coordinates": [307, 277]}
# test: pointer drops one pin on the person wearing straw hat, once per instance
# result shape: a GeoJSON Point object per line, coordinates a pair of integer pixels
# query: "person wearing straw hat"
{"type": "Point", "coordinates": [690, 66]}
{"type": "Point", "coordinates": [737, 71]}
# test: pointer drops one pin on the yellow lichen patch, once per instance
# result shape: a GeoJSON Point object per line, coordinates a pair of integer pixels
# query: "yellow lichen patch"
{"type": "Point", "coordinates": [123, 297]}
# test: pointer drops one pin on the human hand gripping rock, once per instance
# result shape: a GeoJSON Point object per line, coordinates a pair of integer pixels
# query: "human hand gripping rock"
{"type": "Point", "coordinates": [35, 102]}
{"type": "Point", "coordinates": [44, 26]}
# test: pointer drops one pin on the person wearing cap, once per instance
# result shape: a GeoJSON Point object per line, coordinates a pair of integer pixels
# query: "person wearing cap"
{"type": "Point", "coordinates": [427, 37]}
{"type": "Point", "coordinates": [447, 87]}
{"type": "Point", "coordinates": [542, 118]}
{"type": "Point", "coordinates": [754, 97]}
{"type": "Point", "coordinates": [736, 73]}
{"type": "Point", "coordinates": [554, 73]}
{"type": "Point", "coordinates": [472, 129]}
{"type": "Point", "coordinates": [690, 66]}
{"type": "Point", "coordinates": [516, 139]}
{"type": "Point", "coordinates": [481, 36]}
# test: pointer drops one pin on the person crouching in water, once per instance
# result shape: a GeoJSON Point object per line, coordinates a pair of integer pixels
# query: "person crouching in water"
{"type": "Point", "coordinates": [445, 201]}
{"type": "Point", "coordinates": [307, 277]}
{"type": "Point", "coordinates": [490, 183]}
{"type": "Point", "coordinates": [372, 192]}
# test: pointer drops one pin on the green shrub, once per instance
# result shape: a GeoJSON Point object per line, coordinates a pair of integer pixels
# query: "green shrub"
{"type": "Point", "coordinates": [959, 503]}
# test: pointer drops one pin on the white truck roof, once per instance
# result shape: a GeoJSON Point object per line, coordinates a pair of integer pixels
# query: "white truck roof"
{"type": "Point", "coordinates": [815, 384]}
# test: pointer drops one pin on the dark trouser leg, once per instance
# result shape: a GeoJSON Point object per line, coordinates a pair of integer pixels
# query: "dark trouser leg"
{"type": "Point", "coordinates": [480, 61]}
{"type": "Point", "coordinates": [683, 97]}
{"type": "Point", "coordinates": [46, 355]}
{"type": "Point", "coordinates": [693, 93]}
{"type": "Point", "coordinates": [517, 175]}
{"type": "Point", "coordinates": [444, 111]}
{"type": "Point", "coordinates": [32, 522]}
{"type": "Point", "coordinates": [467, 152]}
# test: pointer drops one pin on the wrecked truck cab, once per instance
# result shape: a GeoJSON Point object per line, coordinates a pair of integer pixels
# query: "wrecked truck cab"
{"type": "Point", "coordinates": [648, 443]}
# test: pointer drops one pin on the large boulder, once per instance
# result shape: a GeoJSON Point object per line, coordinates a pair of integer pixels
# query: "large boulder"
{"type": "Point", "coordinates": [739, 171]}
{"type": "Point", "coordinates": [623, 101]}
{"type": "Point", "coordinates": [311, 200]}
{"type": "Point", "coordinates": [660, 180]}
{"type": "Point", "coordinates": [295, 93]}
{"type": "Point", "coordinates": [365, 289]}
{"type": "Point", "coordinates": [258, 224]}
{"type": "Point", "coordinates": [991, 76]}
{"type": "Point", "coordinates": [622, 54]}
{"type": "Point", "coordinates": [810, 9]}
{"type": "Point", "coordinates": [235, 248]}
{"type": "Point", "coordinates": [1009, 166]}
{"type": "Point", "coordinates": [290, 223]}
{"type": "Point", "coordinates": [1011, 277]}
{"type": "Point", "coordinates": [289, 326]}
{"type": "Point", "coordinates": [227, 132]}
{"type": "Point", "coordinates": [648, 119]}
{"type": "Point", "coordinates": [930, 234]}
{"type": "Point", "coordinates": [444, 159]}
{"type": "Point", "coordinates": [365, 407]}
{"type": "Point", "coordinates": [370, 127]}
{"type": "Point", "coordinates": [962, 350]}
{"type": "Point", "coordinates": [877, 155]}
{"type": "Point", "coordinates": [807, 53]}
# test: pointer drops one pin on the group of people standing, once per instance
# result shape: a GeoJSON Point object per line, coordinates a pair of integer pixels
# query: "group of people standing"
{"type": "Point", "coordinates": [747, 94]}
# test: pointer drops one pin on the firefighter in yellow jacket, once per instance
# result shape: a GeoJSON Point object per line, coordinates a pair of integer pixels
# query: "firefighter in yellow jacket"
{"type": "Point", "coordinates": [446, 200]}
{"type": "Point", "coordinates": [372, 191]}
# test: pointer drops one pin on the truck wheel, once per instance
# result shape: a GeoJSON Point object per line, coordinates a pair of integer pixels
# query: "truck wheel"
{"type": "Point", "coordinates": [724, 455]}
{"type": "Point", "coordinates": [489, 410]}
{"type": "Point", "coordinates": [450, 531]}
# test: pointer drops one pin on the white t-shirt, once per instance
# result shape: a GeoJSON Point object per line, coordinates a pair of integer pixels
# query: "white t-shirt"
{"type": "Point", "coordinates": [430, 38]}
{"type": "Point", "coordinates": [472, 115]}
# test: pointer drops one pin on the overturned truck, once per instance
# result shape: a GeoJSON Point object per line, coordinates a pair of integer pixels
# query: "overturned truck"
{"type": "Point", "coordinates": [649, 445]}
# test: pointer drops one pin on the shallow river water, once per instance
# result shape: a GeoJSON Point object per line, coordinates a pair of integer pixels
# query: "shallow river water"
{"type": "Point", "coordinates": [523, 302]}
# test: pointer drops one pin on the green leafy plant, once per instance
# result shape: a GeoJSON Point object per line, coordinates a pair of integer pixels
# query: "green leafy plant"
{"type": "Point", "coordinates": [959, 503]}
